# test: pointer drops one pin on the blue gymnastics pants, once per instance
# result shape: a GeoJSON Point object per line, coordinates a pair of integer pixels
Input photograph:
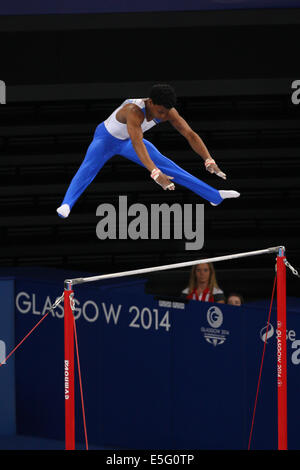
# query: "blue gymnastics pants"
{"type": "Point", "coordinates": [104, 146]}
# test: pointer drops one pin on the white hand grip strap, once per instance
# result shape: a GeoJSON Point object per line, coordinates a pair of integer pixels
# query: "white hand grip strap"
{"type": "Point", "coordinates": [209, 161]}
{"type": "Point", "coordinates": [155, 173]}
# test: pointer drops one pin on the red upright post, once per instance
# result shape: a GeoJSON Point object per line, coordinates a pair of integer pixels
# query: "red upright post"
{"type": "Point", "coordinates": [69, 367]}
{"type": "Point", "coordinates": [281, 351]}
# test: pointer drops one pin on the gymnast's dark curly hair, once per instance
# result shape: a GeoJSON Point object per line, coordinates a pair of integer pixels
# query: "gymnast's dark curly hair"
{"type": "Point", "coordinates": [163, 95]}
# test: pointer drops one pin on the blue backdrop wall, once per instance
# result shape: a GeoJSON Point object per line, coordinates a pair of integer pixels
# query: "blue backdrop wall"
{"type": "Point", "coordinates": [156, 374]}
{"type": "Point", "coordinates": [7, 374]}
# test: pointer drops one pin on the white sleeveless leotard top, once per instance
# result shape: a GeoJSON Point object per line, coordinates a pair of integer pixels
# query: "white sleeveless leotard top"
{"type": "Point", "coordinates": [119, 130]}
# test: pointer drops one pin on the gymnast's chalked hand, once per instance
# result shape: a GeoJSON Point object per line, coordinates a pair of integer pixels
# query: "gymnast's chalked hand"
{"type": "Point", "coordinates": [165, 181]}
{"type": "Point", "coordinates": [212, 167]}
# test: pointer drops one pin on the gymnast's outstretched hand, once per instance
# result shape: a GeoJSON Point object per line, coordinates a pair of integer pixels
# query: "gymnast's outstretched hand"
{"type": "Point", "coordinates": [212, 167]}
{"type": "Point", "coordinates": [163, 180]}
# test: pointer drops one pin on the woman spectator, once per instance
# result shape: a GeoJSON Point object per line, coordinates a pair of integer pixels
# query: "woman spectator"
{"type": "Point", "coordinates": [203, 284]}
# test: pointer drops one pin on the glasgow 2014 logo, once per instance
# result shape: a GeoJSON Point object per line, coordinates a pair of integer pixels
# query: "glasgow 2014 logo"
{"type": "Point", "coordinates": [215, 335]}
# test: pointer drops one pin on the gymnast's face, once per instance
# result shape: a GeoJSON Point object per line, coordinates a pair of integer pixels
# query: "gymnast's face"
{"type": "Point", "coordinates": [158, 111]}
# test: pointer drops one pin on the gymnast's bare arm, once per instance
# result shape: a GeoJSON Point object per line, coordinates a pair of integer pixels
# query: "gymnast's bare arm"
{"type": "Point", "coordinates": [134, 119]}
{"type": "Point", "coordinates": [195, 141]}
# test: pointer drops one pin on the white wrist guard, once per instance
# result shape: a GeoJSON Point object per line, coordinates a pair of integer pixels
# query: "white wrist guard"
{"type": "Point", "coordinates": [209, 161]}
{"type": "Point", "coordinates": [155, 173]}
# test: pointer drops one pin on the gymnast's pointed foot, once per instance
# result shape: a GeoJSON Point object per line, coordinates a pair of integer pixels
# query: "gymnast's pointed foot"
{"type": "Point", "coordinates": [226, 194]}
{"type": "Point", "coordinates": [63, 211]}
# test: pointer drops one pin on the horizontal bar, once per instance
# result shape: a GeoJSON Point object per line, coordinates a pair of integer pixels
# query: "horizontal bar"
{"type": "Point", "coordinates": [82, 280]}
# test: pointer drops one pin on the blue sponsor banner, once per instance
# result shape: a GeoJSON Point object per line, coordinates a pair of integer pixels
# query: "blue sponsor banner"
{"type": "Point", "coordinates": [7, 370]}
{"type": "Point", "coordinates": [36, 7]}
{"type": "Point", "coordinates": [156, 374]}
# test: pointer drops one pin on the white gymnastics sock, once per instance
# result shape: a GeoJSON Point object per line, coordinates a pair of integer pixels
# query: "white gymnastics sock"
{"type": "Point", "coordinates": [63, 211]}
{"type": "Point", "coordinates": [226, 194]}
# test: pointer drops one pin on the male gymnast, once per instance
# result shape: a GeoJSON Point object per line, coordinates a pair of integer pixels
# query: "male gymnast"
{"type": "Point", "coordinates": [122, 134]}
